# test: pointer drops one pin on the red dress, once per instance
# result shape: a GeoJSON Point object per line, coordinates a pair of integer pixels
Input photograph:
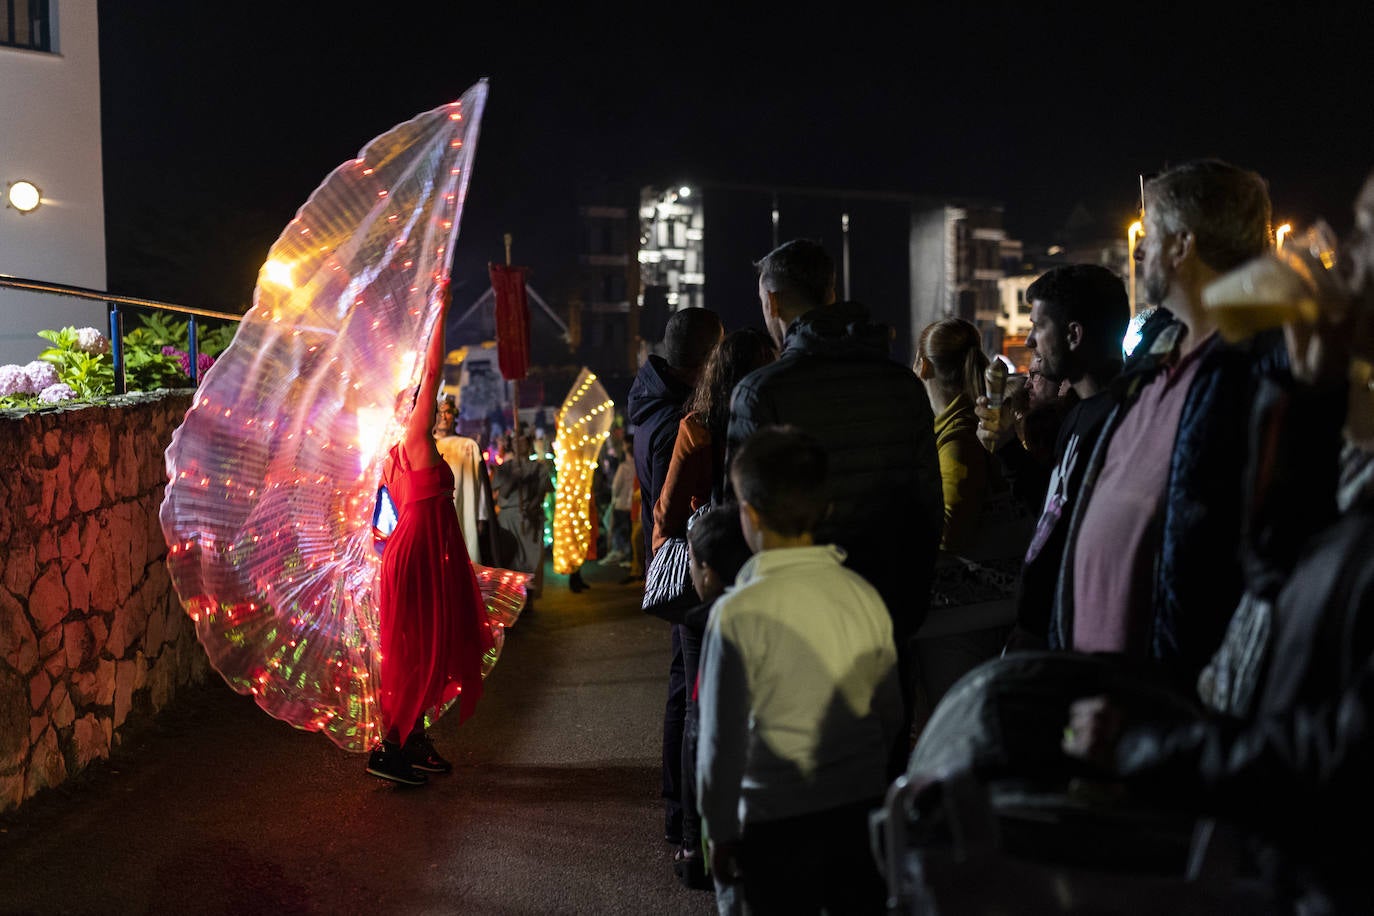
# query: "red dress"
{"type": "Point", "coordinates": [434, 624]}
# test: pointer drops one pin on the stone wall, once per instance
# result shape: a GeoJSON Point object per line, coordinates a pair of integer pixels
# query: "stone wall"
{"type": "Point", "coordinates": [92, 636]}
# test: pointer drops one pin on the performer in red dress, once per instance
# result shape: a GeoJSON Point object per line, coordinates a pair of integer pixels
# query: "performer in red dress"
{"type": "Point", "coordinates": [434, 624]}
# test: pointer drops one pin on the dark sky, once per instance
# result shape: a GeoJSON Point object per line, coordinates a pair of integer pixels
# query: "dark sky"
{"type": "Point", "coordinates": [220, 119]}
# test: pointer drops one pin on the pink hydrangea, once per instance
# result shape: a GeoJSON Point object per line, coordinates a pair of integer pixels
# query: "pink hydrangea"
{"type": "Point", "coordinates": [14, 380]}
{"type": "Point", "coordinates": [42, 374]}
{"type": "Point", "coordinates": [58, 392]}
{"type": "Point", "coordinates": [183, 358]}
{"type": "Point", "coordinates": [90, 340]}
{"type": "Point", "coordinates": [203, 360]}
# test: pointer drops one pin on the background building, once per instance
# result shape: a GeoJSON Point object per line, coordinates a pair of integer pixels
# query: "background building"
{"type": "Point", "coordinates": [50, 108]}
{"type": "Point", "coordinates": [601, 321]}
{"type": "Point", "coordinates": [1014, 317]}
{"type": "Point", "coordinates": [672, 255]}
{"type": "Point", "coordinates": [956, 263]}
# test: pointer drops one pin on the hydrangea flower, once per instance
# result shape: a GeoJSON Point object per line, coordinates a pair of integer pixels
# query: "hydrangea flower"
{"type": "Point", "coordinates": [58, 392]}
{"type": "Point", "coordinates": [203, 360]}
{"type": "Point", "coordinates": [42, 374]}
{"type": "Point", "coordinates": [182, 358]}
{"type": "Point", "coordinates": [14, 380]}
{"type": "Point", "coordinates": [90, 340]}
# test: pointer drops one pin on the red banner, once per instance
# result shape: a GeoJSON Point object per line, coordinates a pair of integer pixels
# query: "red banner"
{"type": "Point", "coordinates": [512, 320]}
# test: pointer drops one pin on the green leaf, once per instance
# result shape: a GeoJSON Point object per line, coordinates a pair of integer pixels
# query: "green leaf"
{"type": "Point", "coordinates": [216, 340]}
{"type": "Point", "coordinates": [64, 339]}
{"type": "Point", "coordinates": [161, 330]}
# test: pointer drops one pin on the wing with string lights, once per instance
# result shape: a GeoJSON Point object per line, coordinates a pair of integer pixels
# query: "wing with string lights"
{"type": "Point", "coordinates": [584, 422]}
{"type": "Point", "coordinates": [274, 471]}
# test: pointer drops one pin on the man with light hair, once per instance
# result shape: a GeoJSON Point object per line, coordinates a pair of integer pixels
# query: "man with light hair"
{"type": "Point", "coordinates": [1151, 568]}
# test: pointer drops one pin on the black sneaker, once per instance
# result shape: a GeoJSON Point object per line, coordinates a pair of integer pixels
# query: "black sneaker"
{"type": "Point", "coordinates": [388, 762]}
{"type": "Point", "coordinates": [419, 752]}
{"type": "Point", "coordinates": [690, 869]}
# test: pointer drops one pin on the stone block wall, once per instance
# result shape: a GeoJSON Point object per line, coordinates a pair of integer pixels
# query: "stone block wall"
{"type": "Point", "coordinates": [92, 635]}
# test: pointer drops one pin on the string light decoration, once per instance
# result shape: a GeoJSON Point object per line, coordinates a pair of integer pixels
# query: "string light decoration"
{"type": "Point", "coordinates": [274, 471]}
{"type": "Point", "coordinates": [584, 422]}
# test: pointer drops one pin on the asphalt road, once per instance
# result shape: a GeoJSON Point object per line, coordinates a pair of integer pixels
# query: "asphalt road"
{"type": "Point", "coordinates": [216, 808]}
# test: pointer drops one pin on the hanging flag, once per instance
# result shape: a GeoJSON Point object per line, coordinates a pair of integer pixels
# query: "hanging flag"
{"type": "Point", "coordinates": [512, 320]}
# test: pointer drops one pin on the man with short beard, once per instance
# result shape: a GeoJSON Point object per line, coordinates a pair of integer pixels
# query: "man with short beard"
{"type": "Point", "coordinates": [1151, 569]}
{"type": "Point", "coordinates": [1079, 315]}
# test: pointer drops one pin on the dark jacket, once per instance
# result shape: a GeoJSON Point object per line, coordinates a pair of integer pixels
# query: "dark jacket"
{"type": "Point", "coordinates": [1198, 579]}
{"type": "Point", "coordinates": [1040, 570]}
{"type": "Point", "coordinates": [1299, 766]}
{"type": "Point", "coordinates": [654, 410]}
{"type": "Point", "coordinates": [1078, 433]}
{"type": "Point", "coordinates": [836, 381]}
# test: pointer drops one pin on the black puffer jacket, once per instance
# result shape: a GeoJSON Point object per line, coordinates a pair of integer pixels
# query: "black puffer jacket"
{"type": "Point", "coordinates": [655, 409]}
{"type": "Point", "coordinates": [836, 381]}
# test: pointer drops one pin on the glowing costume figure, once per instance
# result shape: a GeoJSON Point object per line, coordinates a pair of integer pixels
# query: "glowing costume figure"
{"type": "Point", "coordinates": [274, 471]}
{"type": "Point", "coordinates": [584, 422]}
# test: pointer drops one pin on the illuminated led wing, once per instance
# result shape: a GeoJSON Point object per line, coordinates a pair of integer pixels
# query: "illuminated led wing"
{"type": "Point", "coordinates": [274, 472]}
{"type": "Point", "coordinates": [584, 422]}
{"type": "Point", "coordinates": [503, 591]}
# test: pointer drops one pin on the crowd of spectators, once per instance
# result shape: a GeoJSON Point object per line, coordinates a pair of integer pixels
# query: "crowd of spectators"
{"type": "Point", "coordinates": [1195, 513]}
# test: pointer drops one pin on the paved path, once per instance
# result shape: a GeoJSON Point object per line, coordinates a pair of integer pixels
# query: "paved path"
{"type": "Point", "coordinates": [217, 808]}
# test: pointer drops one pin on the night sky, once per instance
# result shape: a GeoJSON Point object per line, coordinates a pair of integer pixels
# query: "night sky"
{"type": "Point", "coordinates": [220, 119]}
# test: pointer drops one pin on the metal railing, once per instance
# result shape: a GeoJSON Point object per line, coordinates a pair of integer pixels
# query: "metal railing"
{"type": "Point", "coordinates": [116, 317]}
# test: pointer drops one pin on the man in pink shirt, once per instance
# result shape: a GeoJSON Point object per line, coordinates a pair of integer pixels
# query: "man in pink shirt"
{"type": "Point", "coordinates": [1151, 569]}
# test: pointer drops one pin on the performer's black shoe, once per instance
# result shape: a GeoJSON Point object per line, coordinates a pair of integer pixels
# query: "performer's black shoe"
{"type": "Point", "coordinates": [419, 752]}
{"type": "Point", "coordinates": [387, 761]}
{"type": "Point", "coordinates": [576, 583]}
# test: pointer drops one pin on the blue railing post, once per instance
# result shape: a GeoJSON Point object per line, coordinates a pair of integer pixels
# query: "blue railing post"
{"type": "Point", "coordinates": [117, 346]}
{"type": "Point", "coordinates": [192, 350]}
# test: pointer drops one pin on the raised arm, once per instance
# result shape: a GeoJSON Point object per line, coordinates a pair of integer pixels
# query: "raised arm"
{"type": "Point", "coordinates": [419, 436]}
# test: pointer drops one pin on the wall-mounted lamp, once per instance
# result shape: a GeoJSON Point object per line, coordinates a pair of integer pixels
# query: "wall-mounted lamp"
{"type": "Point", "coordinates": [24, 196]}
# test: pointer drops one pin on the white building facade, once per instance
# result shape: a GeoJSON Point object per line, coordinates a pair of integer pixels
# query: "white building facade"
{"type": "Point", "coordinates": [50, 109]}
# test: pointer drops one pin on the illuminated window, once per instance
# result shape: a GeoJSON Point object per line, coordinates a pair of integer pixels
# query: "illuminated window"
{"type": "Point", "coordinates": [26, 24]}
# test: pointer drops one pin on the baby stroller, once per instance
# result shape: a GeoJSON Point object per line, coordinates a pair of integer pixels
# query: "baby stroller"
{"type": "Point", "coordinates": [991, 817]}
